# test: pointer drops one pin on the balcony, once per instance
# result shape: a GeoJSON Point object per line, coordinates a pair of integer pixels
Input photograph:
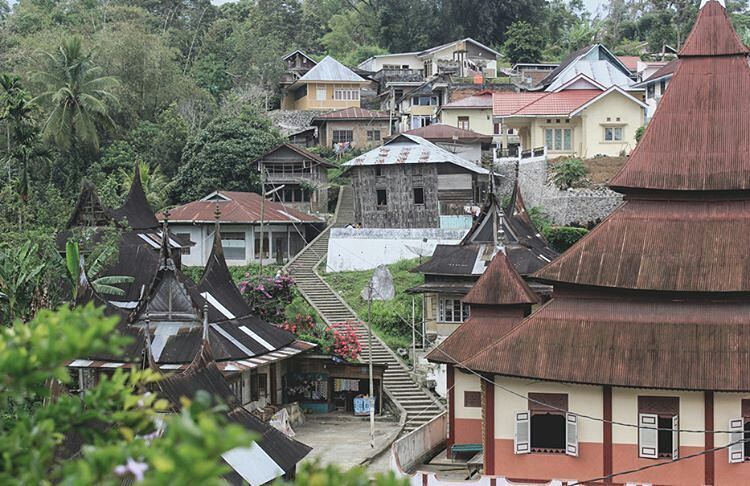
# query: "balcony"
{"type": "Point", "coordinates": [517, 154]}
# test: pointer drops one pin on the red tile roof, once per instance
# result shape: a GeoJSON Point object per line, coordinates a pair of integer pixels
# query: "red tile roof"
{"type": "Point", "coordinates": [630, 62]}
{"type": "Point", "coordinates": [666, 70]}
{"type": "Point", "coordinates": [443, 132]}
{"type": "Point", "coordinates": [354, 113]}
{"type": "Point", "coordinates": [559, 103]}
{"type": "Point", "coordinates": [241, 207]}
{"type": "Point", "coordinates": [699, 137]}
{"type": "Point", "coordinates": [504, 104]}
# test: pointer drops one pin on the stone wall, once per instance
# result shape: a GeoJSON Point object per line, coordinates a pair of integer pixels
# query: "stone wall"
{"type": "Point", "coordinates": [582, 206]}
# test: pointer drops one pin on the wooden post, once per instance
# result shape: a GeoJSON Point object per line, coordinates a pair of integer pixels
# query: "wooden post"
{"type": "Point", "coordinates": [450, 380]}
{"type": "Point", "coordinates": [488, 435]}
{"type": "Point", "coordinates": [607, 432]}
{"type": "Point", "coordinates": [708, 409]}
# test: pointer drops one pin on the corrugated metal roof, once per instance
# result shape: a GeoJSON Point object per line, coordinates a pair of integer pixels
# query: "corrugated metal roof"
{"type": "Point", "coordinates": [239, 207]}
{"type": "Point", "coordinates": [646, 344]}
{"type": "Point", "coordinates": [354, 113]}
{"type": "Point", "coordinates": [603, 72]}
{"type": "Point", "coordinates": [411, 149]}
{"type": "Point", "coordinates": [329, 69]}
{"type": "Point", "coordinates": [500, 284]}
{"type": "Point", "coordinates": [713, 38]}
{"type": "Point", "coordinates": [444, 132]}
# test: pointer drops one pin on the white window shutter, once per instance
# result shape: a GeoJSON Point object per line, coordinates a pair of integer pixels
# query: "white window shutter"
{"type": "Point", "coordinates": [522, 436]}
{"type": "Point", "coordinates": [571, 434]}
{"type": "Point", "coordinates": [737, 449]}
{"type": "Point", "coordinates": [648, 435]}
{"type": "Point", "coordinates": [675, 437]}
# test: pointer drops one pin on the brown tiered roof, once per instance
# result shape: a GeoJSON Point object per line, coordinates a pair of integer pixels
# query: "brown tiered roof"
{"type": "Point", "coordinates": [500, 284]}
{"type": "Point", "coordinates": [656, 296]}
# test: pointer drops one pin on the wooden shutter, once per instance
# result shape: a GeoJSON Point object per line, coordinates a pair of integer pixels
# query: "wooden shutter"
{"type": "Point", "coordinates": [522, 436]}
{"type": "Point", "coordinates": [675, 437]}
{"type": "Point", "coordinates": [737, 449]}
{"type": "Point", "coordinates": [571, 434]}
{"type": "Point", "coordinates": [648, 435]}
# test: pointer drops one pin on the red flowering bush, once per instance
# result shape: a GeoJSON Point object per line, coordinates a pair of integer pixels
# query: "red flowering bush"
{"type": "Point", "coordinates": [269, 296]}
{"type": "Point", "coordinates": [345, 341]}
{"type": "Point", "coordinates": [339, 340]}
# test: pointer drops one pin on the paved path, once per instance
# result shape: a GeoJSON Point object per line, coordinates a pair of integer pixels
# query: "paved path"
{"type": "Point", "coordinates": [420, 404]}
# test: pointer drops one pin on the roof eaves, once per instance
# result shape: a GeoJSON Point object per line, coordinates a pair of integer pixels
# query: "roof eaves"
{"type": "Point", "coordinates": [611, 90]}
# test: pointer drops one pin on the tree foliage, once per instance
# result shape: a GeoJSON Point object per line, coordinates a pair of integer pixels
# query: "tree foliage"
{"type": "Point", "coordinates": [524, 43]}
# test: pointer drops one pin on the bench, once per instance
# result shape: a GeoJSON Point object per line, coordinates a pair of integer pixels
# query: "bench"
{"type": "Point", "coordinates": [465, 449]}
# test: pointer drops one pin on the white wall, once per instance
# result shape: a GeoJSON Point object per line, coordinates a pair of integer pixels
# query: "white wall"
{"type": "Point", "coordinates": [364, 249]}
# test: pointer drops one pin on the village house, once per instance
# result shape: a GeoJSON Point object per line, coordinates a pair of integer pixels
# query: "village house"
{"type": "Point", "coordinates": [635, 371]}
{"type": "Point", "coordinates": [412, 183]}
{"type": "Point", "coordinates": [656, 85]}
{"type": "Point", "coordinates": [595, 62]}
{"type": "Point", "coordinates": [329, 85]}
{"type": "Point", "coordinates": [419, 107]}
{"type": "Point", "coordinates": [528, 75]}
{"type": "Point", "coordinates": [582, 118]}
{"type": "Point", "coordinates": [357, 126]}
{"type": "Point", "coordinates": [297, 65]}
{"type": "Point", "coordinates": [285, 230]}
{"type": "Point", "coordinates": [462, 58]}
{"type": "Point", "coordinates": [475, 113]}
{"type": "Point", "coordinates": [297, 177]}
{"type": "Point", "coordinates": [465, 143]}
{"type": "Point", "coordinates": [453, 270]}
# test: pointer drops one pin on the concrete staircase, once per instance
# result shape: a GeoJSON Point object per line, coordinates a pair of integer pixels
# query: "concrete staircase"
{"type": "Point", "coordinates": [418, 403]}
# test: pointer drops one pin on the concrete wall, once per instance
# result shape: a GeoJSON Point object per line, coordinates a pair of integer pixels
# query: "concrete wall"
{"type": "Point", "coordinates": [364, 249]}
{"type": "Point", "coordinates": [480, 120]}
{"type": "Point", "coordinates": [410, 60]}
{"type": "Point", "coordinates": [468, 419]}
{"type": "Point", "coordinates": [359, 129]}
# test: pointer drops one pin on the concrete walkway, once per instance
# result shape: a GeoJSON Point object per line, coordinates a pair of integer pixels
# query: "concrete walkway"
{"type": "Point", "coordinates": [344, 440]}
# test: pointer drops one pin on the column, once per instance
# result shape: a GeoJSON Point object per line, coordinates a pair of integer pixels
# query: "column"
{"type": "Point", "coordinates": [708, 410]}
{"type": "Point", "coordinates": [607, 432]}
{"type": "Point", "coordinates": [488, 424]}
{"type": "Point", "coordinates": [451, 408]}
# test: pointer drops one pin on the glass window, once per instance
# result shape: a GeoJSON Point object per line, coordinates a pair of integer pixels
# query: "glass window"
{"type": "Point", "coordinates": [452, 310]}
{"type": "Point", "coordinates": [342, 94]}
{"type": "Point", "coordinates": [612, 134]}
{"type": "Point", "coordinates": [373, 135]}
{"type": "Point", "coordinates": [234, 244]}
{"type": "Point", "coordinates": [320, 93]}
{"type": "Point", "coordinates": [418, 195]}
{"type": "Point", "coordinates": [558, 139]}
{"type": "Point", "coordinates": [496, 128]}
{"type": "Point", "coordinates": [463, 122]}
{"type": "Point", "coordinates": [185, 250]}
{"type": "Point", "coordinates": [340, 136]}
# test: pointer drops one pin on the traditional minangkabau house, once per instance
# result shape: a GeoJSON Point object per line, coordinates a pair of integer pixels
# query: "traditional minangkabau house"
{"type": "Point", "coordinates": [636, 371]}
{"type": "Point", "coordinates": [273, 455]}
{"type": "Point", "coordinates": [499, 301]}
{"type": "Point", "coordinates": [172, 312]}
{"type": "Point", "coordinates": [454, 269]}
{"type": "Point", "coordinates": [410, 182]}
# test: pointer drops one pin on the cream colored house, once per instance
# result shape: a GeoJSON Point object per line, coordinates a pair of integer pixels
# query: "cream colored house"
{"type": "Point", "coordinates": [328, 86]}
{"type": "Point", "coordinates": [581, 119]}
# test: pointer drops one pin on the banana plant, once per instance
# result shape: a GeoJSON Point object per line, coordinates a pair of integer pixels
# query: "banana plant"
{"type": "Point", "coordinates": [106, 285]}
{"type": "Point", "coordinates": [20, 272]}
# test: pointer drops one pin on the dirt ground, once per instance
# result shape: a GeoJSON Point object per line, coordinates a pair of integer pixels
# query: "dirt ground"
{"type": "Point", "coordinates": [600, 169]}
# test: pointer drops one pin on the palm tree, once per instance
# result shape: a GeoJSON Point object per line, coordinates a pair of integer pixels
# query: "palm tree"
{"type": "Point", "coordinates": [77, 94]}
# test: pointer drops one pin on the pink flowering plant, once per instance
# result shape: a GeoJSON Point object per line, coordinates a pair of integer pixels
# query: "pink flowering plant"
{"type": "Point", "coordinates": [268, 296]}
{"type": "Point", "coordinates": [340, 339]}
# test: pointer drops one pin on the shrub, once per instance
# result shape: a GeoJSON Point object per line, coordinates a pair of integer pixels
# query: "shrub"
{"type": "Point", "coordinates": [568, 172]}
{"type": "Point", "coordinates": [563, 237]}
{"type": "Point", "coordinates": [639, 133]}
{"type": "Point", "coordinates": [540, 218]}
{"type": "Point", "coordinates": [339, 340]}
{"type": "Point", "coordinates": [269, 297]}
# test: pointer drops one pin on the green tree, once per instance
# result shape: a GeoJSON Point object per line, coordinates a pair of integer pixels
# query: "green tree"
{"type": "Point", "coordinates": [155, 184]}
{"type": "Point", "coordinates": [569, 172]}
{"type": "Point", "coordinates": [524, 43]}
{"type": "Point", "coordinates": [77, 94]}
{"type": "Point", "coordinates": [20, 276]}
{"type": "Point", "coordinates": [221, 155]}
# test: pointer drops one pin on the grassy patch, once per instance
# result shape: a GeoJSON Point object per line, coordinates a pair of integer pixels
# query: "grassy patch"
{"type": "Point", "coordinates": [391, 320]}
{"type": "Point", "coordinates": [238, 272]}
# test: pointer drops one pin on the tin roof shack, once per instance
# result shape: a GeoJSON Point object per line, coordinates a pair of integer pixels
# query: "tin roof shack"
{"type": "Point", "coordinates": [286, 230]}
{"type": "Point", "coordinates": [499, 301]}
{"type": "Point", "coordinates": [359, 127]}
{"type": "Point", "coordinates": [412, 183]}
{"type": "Point", "coordinates": [172, 317]}
{"type": "Point", "coordinates": [300, 176]}
{"type": "Point", "coordinates": [463, 142]}
{"type": "Point", "coordinates": [454, 269]}
{"type": "Point", "coordinates": [648, 330]}
{"type": "Point", "coordinates": [329, 85]}
{"type": "Point", "coordinates": [323, 383]}
{"type": "Point", "coordinates": [273, 455]}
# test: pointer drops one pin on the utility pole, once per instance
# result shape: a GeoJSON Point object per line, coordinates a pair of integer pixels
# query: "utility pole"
{"type": "Point", "coordinates": [262, 215]}
{"type": "Point", "coordinates": [413, 334]}
{"type": "Point", "coordinates": [372, 381]}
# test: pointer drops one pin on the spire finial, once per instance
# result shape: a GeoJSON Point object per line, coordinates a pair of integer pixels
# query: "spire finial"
{"type": "Point", "coordinates": [165, 249]}
{"type": "Point", "coordinates": [205, 321]}
{"type": "Point", "coordinates": [148, 336]}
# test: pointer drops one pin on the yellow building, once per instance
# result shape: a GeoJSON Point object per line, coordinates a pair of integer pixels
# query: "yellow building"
{"type": "Point", "coordinates": [582, 120]}
{"type": "Point", "coordinates": [328, 86]}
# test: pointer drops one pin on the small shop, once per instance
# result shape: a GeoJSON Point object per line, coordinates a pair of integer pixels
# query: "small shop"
{"type": "Point", "coordinates": [323, 384]}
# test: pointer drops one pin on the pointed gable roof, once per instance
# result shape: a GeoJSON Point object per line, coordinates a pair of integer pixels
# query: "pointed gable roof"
{"type": "Point", "coordinates": [136, 209]}
{"type": "Point", "coordinates": [500, 284]}
{"type": "Point", "coordinates": [330, 70]}
{"type": "Point", "coordinates": [89, 210]}
{"type": "Point", "coordinates": [699, 137]}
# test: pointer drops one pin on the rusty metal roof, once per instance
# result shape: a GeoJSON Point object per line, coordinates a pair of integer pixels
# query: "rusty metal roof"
{"type": "Point", "coordinates": [500, 284]}
{"type": "Point", "coordinates": [353, 113]}
{"type": "Point", "coordinates": [636, 343]}
{"type": "Point", "coordinates": [699, 137]}
{"type": "Point", "coordinates": [441, 132]}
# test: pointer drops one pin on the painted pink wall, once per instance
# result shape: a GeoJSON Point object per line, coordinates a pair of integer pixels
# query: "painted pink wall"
{"type": "Point", "coordinates": [726, 473]}
{"type": "Point", "coordinates": [687, 472]}
{"type": "Point", "coordinates": [548, 466]}
{"type": "Point", "coordinates": [468, 431]}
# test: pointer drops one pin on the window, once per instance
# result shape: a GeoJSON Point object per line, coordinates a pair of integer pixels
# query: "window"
{"type": "Point", "coordinates": [547, 426]}
{"type": "Point", "coordinates": [373, 135]}
{"type": "Point", "coordinates": [320, 93]}
{"type": "Point", "coordinates": [234, 244]}
{"type": "Point", "coordinates": [472, 399]}
{"type": "Point", "coordinates": [463, 122]}
{"type": "Point", "coordinates": [650, 90]}
{"type": "Point", "coordinates": [346, 94]}
{"type": "Point", "coordinates": [657, 427]}
{"type": "Point", "coordinates": [185, 250]}
{"type": "Point", "coordinates": [378, 171]}
{"type": "Point", "coordinates": [292, 194]}
{"type": "Point", "coordinates": [265, 245]}
{"type": "Point", "coordinates": [341, 136]}
{"type": "Point", "coordinates": [558, 139]}
{"type": "Point", "coordinates": [237, 385]}
{"type": "Point", "coordinates": [382, 198]}
{"type": "Point", "coordinates": [662, 86]}
{"type": "Point", "coordinates": [418, 195]}
{"type": "Point", "coordinates": [612, 134]}
{"type": "Point", "coordinates": [424, 100]}
{"type": "Point", "coordinates": [419, 121]}
{"type": "Point", "coordinates": [740, 427]}
{"type": "Point", "coordinates": [452, 310]}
